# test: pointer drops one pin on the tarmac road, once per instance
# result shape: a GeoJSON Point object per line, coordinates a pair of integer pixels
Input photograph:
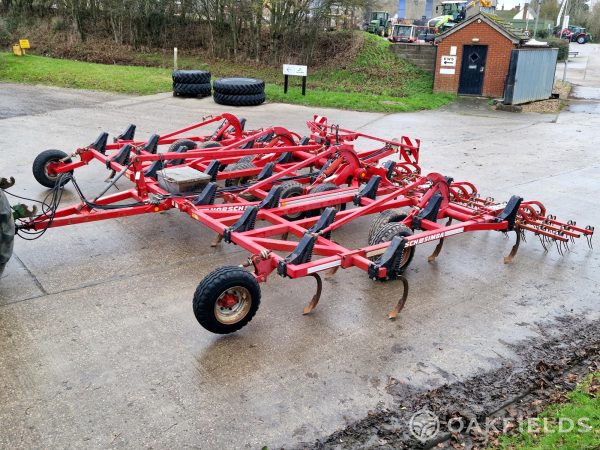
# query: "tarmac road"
{"type": "Point", "coordinates": [99, 346]}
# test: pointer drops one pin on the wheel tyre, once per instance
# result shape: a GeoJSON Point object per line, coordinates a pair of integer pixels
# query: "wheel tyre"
{"type": "Point", "coordinates": [7, 231]}
{"type": "Point", "coordinates": [40, 166]}
{"type": "Point", "coordinates": [291, 189]}
{"type": "Point", "coordinates": [191, 89]}
{"type": "Point", "coordinates": [191, 76]}
{"type": "Point", "coordinates": [581, 40]}
{"type": "Point", "coordinates": [239, 100]}
{"type": "Point", "coordinates": [240, 165]}
{"type": "Point", "coordinates": [325, 187]}
{"type": "Point", "coordinates": [388, 232]}
{"type": "Point", "coordinates": [239, 86]}
{"type": "Point", "coordinates": [388, 216]}
{"type": "Point", "coordinates": [214, 289]}
{"type": "Point", "coordinates": [189, 145]}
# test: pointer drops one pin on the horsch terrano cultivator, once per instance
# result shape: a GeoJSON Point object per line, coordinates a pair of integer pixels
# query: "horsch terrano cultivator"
{"type": "Point", "coordinates": [280, 196]}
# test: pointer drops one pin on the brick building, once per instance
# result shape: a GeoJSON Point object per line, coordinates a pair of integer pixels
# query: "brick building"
{"type": "Point", "coordinates": [473, 57]}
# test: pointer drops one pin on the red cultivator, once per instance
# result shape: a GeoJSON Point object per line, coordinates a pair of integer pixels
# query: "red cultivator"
{"type": "Point", "coordinates": [280, 197]}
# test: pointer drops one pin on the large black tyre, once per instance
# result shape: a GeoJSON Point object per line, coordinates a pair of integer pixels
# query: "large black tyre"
{"type": "Point", "coordinates": [325, 187]}
{"type": "Point", "coordinates": [40, 166]}
{"type": "Point", "coordinates": [191, 89]}
{"type": "Point", "coordinates": [239, 100]}
{"type": "Point", "coordinates": [240, 165]}
{"type": "Point", "coordinates": [581, 40]}
{"type": "Point", "coordinates": [239, 86]}
{"type": "Point", "coordinates": [388, 232]}
{"type": "Point", "coordinates": [291, 189]}
{"type": "Point", "coordinates": [7, 231]}
{"type": "Point", "coordinates": [191, 76]}
{"type": "Point", "coordinates": [188, 144]}
{"type": "Point", "coordinates": [226, 300]}
{"type": "Point", "coordinates": [388, 216]}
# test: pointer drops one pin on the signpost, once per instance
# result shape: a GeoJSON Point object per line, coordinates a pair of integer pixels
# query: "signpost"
{"type": "Point", "coordinates": [19, 49]}
{"type": "Point", "coordinates": [294, 70]}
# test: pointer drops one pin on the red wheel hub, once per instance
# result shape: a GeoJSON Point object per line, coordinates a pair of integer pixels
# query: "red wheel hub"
{"type": "Point", "coordinates": [228, 301]}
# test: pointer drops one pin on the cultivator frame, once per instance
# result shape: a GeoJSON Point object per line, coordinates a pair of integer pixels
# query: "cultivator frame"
{"type": "Point", "coordinates": [256, 215]}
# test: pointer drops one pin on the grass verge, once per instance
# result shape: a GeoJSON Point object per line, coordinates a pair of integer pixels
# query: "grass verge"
{"type": "Point", "coordinates": [376, 80]}
{"type": "Point", "coordinates": [580, 414]}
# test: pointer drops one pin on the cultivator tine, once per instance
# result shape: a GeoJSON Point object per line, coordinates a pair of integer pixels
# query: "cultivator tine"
{"type": "Point", "coordinates": [588, 237]}
{"type": "Point", "coordinates": [394, 312]}
{"type": "Point", "coordinates": [509, 259]}
{"type": "Point", "coordinates": [217, 240]}
{"type": "Point", "coordinates": [315, 300]}
{"type": "Point", "coordinates": [438, 247]}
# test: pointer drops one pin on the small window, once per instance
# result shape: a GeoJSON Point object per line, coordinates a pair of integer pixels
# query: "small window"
{"type": "Point", "coordinates": [474, 57]}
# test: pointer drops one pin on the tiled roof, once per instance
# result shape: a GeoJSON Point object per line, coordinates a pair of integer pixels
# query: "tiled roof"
{"type": "Point", "coordinates": [498, 23]}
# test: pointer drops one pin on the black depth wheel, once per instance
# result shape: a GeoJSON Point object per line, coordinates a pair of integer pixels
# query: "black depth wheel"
{"type": "Point", "coordinates": [226, 300]}
{"type": "Point", "coordinates": [240, 165]}
{"type": "Point", "coordinates": [291, 189]}
{"type": "Point", "coordinates": [41, 166]}
{"type": "Point", "coordinates": [388, 216]}
{"type": "Point", "coordinates": [188, 144]}
{"type": "Point", "coordinates": [7, 231]}
{"type": "Point", "coordinates": [388, 232]}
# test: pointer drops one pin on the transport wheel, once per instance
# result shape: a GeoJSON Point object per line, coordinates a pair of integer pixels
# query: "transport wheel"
{"type": "Point", "coordinates": [581, 40]}
{"type": "Point", "coordinates": [239, 100]}
{"type": "Point", "coordinates": [240, 165]}
{"type": "Point", "coordinates": [239, 86]}
{"type": "Point", "coordinates": [388, 216]}
{"type": "Point", "coordinates": [291, 189]}
{"type": "Point", "coordinates": [388, 232]}
{"type": "Point", "coordinates": [191, 76]}
{"type": "Point", "coordinates": [226, 300]}
{"type": "Point", "coordinates": [189, 145]}
{"type": "Point", "coordinates": [325, 187]}
{"type": "Point", "coordinates": [41, 166]}
{"type": "Point", "coordinates": [7, 231]}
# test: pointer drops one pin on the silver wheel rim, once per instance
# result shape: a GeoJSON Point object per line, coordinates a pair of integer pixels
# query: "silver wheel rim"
{"type": "Point", "coordinates": [233, 305]}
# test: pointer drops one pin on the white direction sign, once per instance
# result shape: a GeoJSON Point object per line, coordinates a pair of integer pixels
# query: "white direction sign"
{"type": "Point", "coordinates": [449, 61]}
{"type": "Point", "coordinates": [296, 70]}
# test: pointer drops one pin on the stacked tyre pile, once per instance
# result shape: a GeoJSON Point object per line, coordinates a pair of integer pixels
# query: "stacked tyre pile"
{"type": "Point", "coordinates": [191, 83]}
{"type": "Point", "coordinates": [239, 91]}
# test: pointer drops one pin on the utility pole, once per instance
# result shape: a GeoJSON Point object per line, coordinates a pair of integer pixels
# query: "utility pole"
{"type": "Point", "coordinates": [537, 16]}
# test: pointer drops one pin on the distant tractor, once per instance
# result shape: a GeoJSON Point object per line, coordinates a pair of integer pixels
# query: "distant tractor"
{"type": "Point", "coordinates": [455, 11]}
{"type": "Point", "coordinates": [380, 24]}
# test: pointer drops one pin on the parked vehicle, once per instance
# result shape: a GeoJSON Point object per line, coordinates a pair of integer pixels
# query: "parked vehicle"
{"type": "Point", "coordinates": [573, 33]}
{"type": "Point", "coordinates": [380, 24]}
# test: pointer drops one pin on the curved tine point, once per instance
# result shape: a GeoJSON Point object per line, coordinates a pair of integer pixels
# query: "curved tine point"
{"type": "Point", "coordinates": [315, 300]}
{"type": "Point", "coordinates": [508, 259]}
{"type": "Point", "coordinates": [394, 312]}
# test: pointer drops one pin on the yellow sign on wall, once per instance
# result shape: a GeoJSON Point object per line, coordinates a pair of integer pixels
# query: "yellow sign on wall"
{"type": "Point", "coordinates": [24, 43]}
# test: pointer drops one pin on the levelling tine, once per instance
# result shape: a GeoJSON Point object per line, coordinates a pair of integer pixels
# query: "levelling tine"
{"type": "Point", "coordinates": [394, 312]}
{"type": "Point", "coordinates": [313, 303]}
{"type": "Point", "coordinates": [508, 259]}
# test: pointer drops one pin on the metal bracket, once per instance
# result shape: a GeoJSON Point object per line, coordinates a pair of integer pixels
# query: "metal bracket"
{"type": "Point", "coordinates": [207, 196]}
{"type": "Point", "coordinates": [266, 172]}
{"type": "Point", "coordinates": [369, 190]}
{"type": "Point", "coordinates": [272, 199]}
{"type": "Point", "coordinates": [389, 166]}
{"type": "Point", "coordinates": [390, 259]}
{"type": "Point", "coordinates": [100, 143]}
{"type": "Point", "coordinates": [122, 157]}
{"type": "Point", "coordinates": [510, 212]}
{"type": "Point", "coordinates": [127, 135]}
{"type": "Point", "coordinates": [301, 254]}
{"type": "Point", "coordinates": [152, 144]}
{"type": "Point", "coordinates": [244, 223]}
{"type": "Point", "coordinates": [430, 212]}
{"type": "Point", "coordinates": [213, 169]}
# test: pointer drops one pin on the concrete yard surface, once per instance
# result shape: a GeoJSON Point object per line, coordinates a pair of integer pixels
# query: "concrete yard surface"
{"type": "Point", "coordinates": [99, 347]}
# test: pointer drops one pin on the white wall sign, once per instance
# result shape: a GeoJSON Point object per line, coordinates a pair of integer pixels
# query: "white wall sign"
{"type": "Point", "coordinates": [448, 61]}
{"type": "Point", "coordinates": [296, 70]}
{"type": "Point", "coordinates": [453, 50]}
{"type": "Point", "coordinates": [447, 71]}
